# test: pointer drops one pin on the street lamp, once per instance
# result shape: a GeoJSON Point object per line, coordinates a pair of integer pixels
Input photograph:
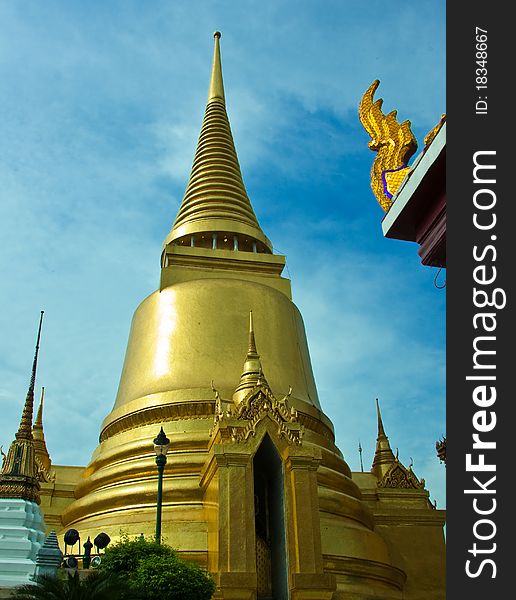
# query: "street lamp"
{"type": "Point", "coordinates": [161, 444]}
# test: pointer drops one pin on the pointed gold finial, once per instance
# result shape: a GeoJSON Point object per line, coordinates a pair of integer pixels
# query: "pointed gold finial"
{"type": "Point", "coordinates": [216, 90]}
{"type": "Point", "coordinates": [38, 423]}
{"type": "Point", "coordinates": [252, 374]}
{"type": "Point", "coordinates": [381, 430]}
{"type": "Point", "coordinates": [40, 445]}
{"type": "Point", "coordinates": [383, 456]}
{"type": "Point", "coordinates": [252, 341]}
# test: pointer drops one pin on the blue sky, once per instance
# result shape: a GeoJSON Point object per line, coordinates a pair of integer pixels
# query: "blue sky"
{"type": "Point", "coordinates": [100, 111]}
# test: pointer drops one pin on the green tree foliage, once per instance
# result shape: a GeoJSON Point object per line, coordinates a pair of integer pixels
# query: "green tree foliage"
{"type": "Point", "coordinates": [157, 571]}
{"type": "Point", "coordinates": [124, 557]}
{"type": "Point", "coordinates": [173, 580]}
{"type": "Point", "coordinates": [96, 586]}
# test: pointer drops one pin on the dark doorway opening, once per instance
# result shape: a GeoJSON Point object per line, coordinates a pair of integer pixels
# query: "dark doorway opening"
{"type": "Point", "coordinates": [271, 552]}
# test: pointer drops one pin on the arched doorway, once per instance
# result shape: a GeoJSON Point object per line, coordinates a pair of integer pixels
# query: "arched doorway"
{"type": "Point", "coordinates": [271, 552]}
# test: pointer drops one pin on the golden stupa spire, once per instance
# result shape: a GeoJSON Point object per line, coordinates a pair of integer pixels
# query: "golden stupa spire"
{"type": "Point", "coordinates": [19, 473]}
{"type": "Point", "coordinates": [216, 206]}
{"type": "Point", "coordinates": [40, 445]}
{"type": "Point", "coordinates": [252, 374]}
{"type": "Point", "coordinates": [383, 456]}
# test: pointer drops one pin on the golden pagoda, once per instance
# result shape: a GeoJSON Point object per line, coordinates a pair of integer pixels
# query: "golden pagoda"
{"type": "Point", "coordinates": [18, 475]}
{"type": "Point", "coordinates": [255, 488]}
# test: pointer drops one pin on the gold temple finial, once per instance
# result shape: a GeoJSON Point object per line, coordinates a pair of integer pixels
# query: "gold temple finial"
{"type": "Point", "coordinates": [252, 341]}
{"type": "Point", "coordinates": [38, 422]}
{"type": "Point", "coordinates": [388, 469]}
{"type": "Point", "coordinates": [252, 374]}
{"type": "Point", "coordinates": [19, 473]}
{"type": "Point", "coordinates": [40, 446]}
{"type": "Point", "coordinates": [383, 456]}
{"type": "Point", "coordinates": [381, 430]}
{"type": "Point", "coordinates": [394, 143]}
{"type": "Point", "coordinates": [430, 136]}
{"type": "Point", "coordinates": [216, 205]}
{"type": "Point", "coordinates": [216, 90]}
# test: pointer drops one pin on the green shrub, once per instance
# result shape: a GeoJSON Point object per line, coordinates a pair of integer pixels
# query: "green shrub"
{"type": "Point", "coordinates": [157, 571]}
{"type": "Point", "coordinates": [173, 580]}
{"type": "Point", "coordinates": [124, 557]}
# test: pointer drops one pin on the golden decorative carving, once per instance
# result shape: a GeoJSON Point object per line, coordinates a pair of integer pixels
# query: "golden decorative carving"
{"type": "Point", "coordinates": [400, 477]}
{"type": "Point", "coordinates": [430, 136]}
{"type": "Point", "coordinates": [176, 411]}
{"type": "Point", "coordinates": [20, 487]}
{"type": "Point", "coordinates": [252, 401]}
{"type": "Point", "coordinates": [44, 475]}
{"type": "Point", "coordinates": [19, 478]}
{"type": "Point", "coordinates": [394, 143]}
{"type": "Point", "coordinates": [241, 422]}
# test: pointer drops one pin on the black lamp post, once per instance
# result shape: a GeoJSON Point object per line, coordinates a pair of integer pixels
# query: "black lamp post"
{"type": "Point", "coordinates": [161, 444]}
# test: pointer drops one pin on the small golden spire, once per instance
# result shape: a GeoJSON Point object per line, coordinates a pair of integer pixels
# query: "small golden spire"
{"type": "Point", "coordinates": [381, 430]}
{"type": "Point", "coordinates": [252, 374]}
{"type": "Point", "coordinates": [252, 341]}
{"type": "Point", "coordinates": [216, 91]}
{"type": "Point", "coordinates": [38, 423]}
{"type": "Point", "coordinates": [40, 445]}
{"type": "Point", "coordinates": [383, 456]}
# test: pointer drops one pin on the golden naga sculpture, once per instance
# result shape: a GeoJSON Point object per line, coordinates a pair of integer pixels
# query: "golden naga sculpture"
{"type": "Point", "coordinates": [394, 143]}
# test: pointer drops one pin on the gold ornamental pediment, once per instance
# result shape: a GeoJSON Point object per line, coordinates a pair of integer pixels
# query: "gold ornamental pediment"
{"type": "Point", "coordinates": [399, 477]}
{"type": "Point", "coordinates": [240, 422]}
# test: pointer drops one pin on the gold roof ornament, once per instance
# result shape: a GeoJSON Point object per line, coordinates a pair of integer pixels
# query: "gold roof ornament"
{"type": "Point", "coordinates": [383, 456]}
{"type": "Point", "coordinates": [430, 136]}
{"type": "Point", "coordinates": [400, 477]}
{"type": "Point", "coordinates": [388, 468]}
{"type": "Point", "coordinates": [394, 142]}
{"type": "Point", "coordinates": [440, 447]}
{"type": "Point", "coordinates": [216, 199]}
{"type": "Point", "coordinates": [19, 476]}
{"type": "Point", "coordinates": [252, 373]}
{"type": "Point", "coordinates": [43, 460]}
{"type": "Point", "coordinates": [216, 89]}
{"type": "Point", "coordinates": [252, 402]}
